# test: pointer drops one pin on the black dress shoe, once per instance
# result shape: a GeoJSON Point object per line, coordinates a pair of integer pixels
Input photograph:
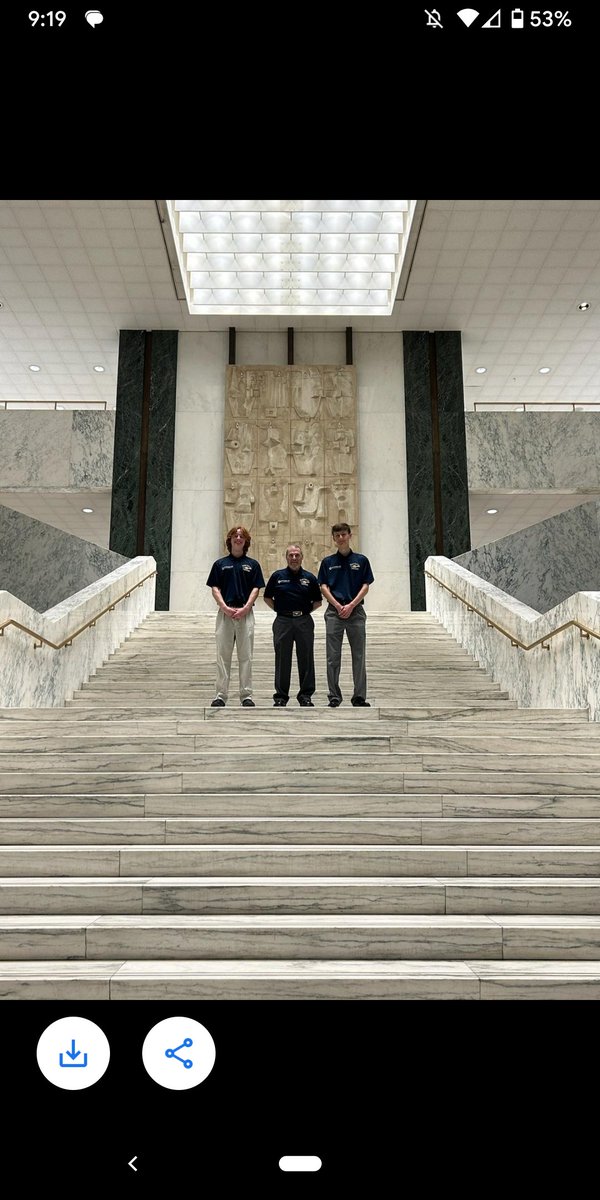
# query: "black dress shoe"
{"type": "Point", "coordinates": [306, 703]}
{"type": "Point", "coordinates": [248, 703]}
{"type": "Point", "coordinates": [279, 703]}
{"type": "Point", "coordinates": [218, 703]}
{"type": "Point", "coordinates": [358, 702]}
{"type": "Point", "coordinates": [334, 703]}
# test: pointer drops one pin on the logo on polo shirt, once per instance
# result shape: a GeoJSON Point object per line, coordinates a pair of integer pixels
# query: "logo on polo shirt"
{"type": "Point", "coordinates": [355, 566]}
{"type": "Point", "coordinates": [246, 567]}
{"type": "Point", "coordinates": [304, 582]}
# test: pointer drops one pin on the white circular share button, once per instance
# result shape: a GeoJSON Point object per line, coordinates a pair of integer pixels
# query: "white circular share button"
{"type": "Point", "coordinates": [178, 1053]}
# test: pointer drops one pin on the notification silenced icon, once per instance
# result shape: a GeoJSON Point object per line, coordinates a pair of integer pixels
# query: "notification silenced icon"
{"type": "Point", "coordinates": [93, 17]}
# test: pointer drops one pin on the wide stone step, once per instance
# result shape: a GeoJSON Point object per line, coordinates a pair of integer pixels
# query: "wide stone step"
{"type": "Point", "coordinates": [157, 709]}
{"type": "Point", "coordinates": [358, 781]}
{"type": "Point", "coordinates": [300, 937]}
{"type": "Point", "coordinates": [522, 781]}
{"type": "Point", "coordinates": [323, 861]}
{"type": "Point", "coordinates": [409, 692]}
{"type": "Point", "coordinates": [102, 831]}
{"type": "Point", "coordinates": [64, 748]}
{"type": "Point", "coordinates": [298, 804]}
{"type": "Point", "coordinates": [311, 979]}
{"type": "Point", "coordinates": [237, 895]}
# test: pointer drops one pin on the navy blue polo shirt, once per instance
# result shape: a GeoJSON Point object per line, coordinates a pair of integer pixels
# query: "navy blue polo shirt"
{"type": "Point", "coordinates": [292, 590]}
{"type": "Point", "coordinates": [344, 574]}
{"type": "Point", "coordinates": [235, 578]}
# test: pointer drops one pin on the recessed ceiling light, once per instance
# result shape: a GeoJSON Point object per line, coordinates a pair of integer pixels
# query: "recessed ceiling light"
{"type": "Point", "coordinates": [545, 370]}
{"type": "Point", "coordinates": [491, 511]}
{"type": "Point", "coordinates": [480, 370]}
{"type": "Point", "coordinates": [33, 367]}
{"type": "Point", "coordinates": [583, 306]}
{"type": "Point", "coordinates": [87, 510]}
{"type": "Point", "coordinates": [100, 369]}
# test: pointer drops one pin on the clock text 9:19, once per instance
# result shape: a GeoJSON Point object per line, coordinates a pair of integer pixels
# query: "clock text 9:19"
{"type": "Point", "coordinates": [53, 18]}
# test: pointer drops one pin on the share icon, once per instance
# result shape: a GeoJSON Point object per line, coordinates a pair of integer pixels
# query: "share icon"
{"type": "Point", "coordinates": [187, 1062]}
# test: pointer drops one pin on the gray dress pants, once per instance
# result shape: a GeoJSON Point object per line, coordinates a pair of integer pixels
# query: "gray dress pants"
{"type": "Point", "coordinates": [356, 632]}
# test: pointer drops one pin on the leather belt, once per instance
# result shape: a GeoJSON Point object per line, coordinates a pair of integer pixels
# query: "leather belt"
{"type": "Point", "coordinates": [297, 613]}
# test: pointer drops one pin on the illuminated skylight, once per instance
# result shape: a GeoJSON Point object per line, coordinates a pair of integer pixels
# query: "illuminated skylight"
{"type": "Point", "coordinates": [291, 257]}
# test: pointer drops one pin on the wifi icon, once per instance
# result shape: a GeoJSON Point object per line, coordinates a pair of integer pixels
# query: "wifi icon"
{"type": "Point", "coordinates": [468, 15]}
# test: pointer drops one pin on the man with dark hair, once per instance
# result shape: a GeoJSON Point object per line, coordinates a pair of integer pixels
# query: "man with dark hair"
{"type": "Point", "coordinates": [293, 593]}
{"type": "Point", "coordinates": [235, 582]}
{"type": "Point", "coordinates": [344, 578]}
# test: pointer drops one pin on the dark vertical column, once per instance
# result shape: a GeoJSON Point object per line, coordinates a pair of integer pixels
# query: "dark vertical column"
{"type": "Point", "coordinates": [142, 495]}
{"type": "Point", "coordinates": [161, 453]}
{"type": "Point", "coordinates": [454, 483]}
{"type": "Point", "coordinates": [125, 504]}
{"type": "Point", "coordinates": [349, 351]}
{"type": "Point", "coordinates": [419, 460]}
{"type": "Point", "coordinates": [232, 345]}
{"type": "Point", "coordinates": [290, 346]}
{"type": "Point", "coordinates": [436, 455]}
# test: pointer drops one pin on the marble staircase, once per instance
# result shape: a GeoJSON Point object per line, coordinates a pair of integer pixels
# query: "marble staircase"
{"type": "Point", "coordinates": [441, 844]}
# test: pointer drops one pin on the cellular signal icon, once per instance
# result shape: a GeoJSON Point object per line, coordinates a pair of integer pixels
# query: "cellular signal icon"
{"type": "Point", "coordinates": [494, 21]}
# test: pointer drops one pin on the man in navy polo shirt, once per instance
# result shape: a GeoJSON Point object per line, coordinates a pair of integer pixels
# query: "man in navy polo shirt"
{"type": "Point", "coordinates": [344, 578]}
{"type": "Point", "coordinates": [235, 582]}
{"type": "Point", "coordinates": [293, 593]}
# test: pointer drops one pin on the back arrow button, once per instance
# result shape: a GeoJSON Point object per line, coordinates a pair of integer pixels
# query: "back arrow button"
{"type": "Point", "coordinates": [131, 1162]}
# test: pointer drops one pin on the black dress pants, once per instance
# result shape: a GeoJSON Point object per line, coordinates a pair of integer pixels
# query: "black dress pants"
{"type": "Point", "coordinates": [287, 632]}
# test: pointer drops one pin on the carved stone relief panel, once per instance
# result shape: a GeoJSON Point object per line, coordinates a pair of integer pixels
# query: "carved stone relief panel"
{"type": "Point", "coordinates": [290, 458]}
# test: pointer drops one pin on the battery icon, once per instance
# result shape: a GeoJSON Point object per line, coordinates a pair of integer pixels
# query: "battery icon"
{"type": "Point", "coordinates": [517, 18]}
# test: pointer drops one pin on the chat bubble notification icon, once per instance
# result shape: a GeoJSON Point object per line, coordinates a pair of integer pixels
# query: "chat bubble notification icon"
{"type": "Point", "coordinates": [93, 17]}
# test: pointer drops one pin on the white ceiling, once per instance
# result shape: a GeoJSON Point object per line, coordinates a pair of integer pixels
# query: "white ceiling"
{"type": "Point", "coordinates": [508, 273]}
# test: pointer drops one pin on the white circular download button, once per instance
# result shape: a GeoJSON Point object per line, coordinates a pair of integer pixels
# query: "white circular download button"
{"type": "Point", "coordinates": [178, 1053]}
{"type": "Point", "coordinates": [73, 1053]}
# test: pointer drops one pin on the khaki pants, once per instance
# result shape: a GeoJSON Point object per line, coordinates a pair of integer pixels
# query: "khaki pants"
{"type": "Point", "coordinates": [241, 634]}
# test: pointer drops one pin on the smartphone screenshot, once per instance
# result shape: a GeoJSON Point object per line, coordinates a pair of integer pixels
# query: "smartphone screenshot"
{"type": "Point", "coordinates": [232, 953]}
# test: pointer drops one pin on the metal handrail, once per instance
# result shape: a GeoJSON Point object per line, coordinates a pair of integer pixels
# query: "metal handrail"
{"type": "Point", "coordinates": [68, 641]}
{"type": "Point", "coordinates": [514, 641]}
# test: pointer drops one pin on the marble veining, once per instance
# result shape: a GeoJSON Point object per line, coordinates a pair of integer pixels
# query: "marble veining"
{"type": "Point", "coordinates": [62, 450]}
{"type": "Point", "coordinates": [44, 677]}
{"type": "Point", "coordinates": [546, 562]}
{"type": "Point", "coordinates": [565, 676]}
{"type": "Point", "coordinates": [533, 451]}
{"type": "Point", "coordinates": [43, 565]}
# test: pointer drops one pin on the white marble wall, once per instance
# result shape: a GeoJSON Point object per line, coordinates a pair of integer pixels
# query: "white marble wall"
{"type": "Point", "coordinates": [565, 676]}
{"type": "Point", "coordinates": [545, 563]}
{"type": "Point", "coordinates": [61, 450]}
{"type": "Point", "coordinates": [43, 565]}
{"type": "Point", "coordinates": [44, 677]}
{"type": "Point", "coordinates": [533, 452]}
{"type": "Point", "coordinates": [198, 470]}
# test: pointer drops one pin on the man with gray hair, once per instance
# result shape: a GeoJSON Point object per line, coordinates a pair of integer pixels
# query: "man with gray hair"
{"type": "Point", "coordinates": [293, 593]}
